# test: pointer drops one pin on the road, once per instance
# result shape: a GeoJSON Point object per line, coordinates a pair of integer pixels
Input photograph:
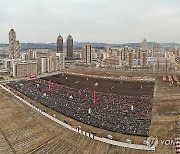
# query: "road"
{"type": "Point", "coordinates": [28, 78]}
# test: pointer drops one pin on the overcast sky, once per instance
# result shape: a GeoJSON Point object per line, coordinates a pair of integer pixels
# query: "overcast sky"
{"type": "Point", "coordinates": [109, 21]}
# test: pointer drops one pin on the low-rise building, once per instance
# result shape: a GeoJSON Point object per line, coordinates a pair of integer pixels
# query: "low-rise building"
{"type": "Point", "coordinates": [24, 69]}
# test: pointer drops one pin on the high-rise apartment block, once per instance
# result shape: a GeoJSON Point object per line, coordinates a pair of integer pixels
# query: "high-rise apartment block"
{"type": "Point", "coordinates": [130, 58]}
{"type": "Point", "coordinates": [141, 57]}
{"type": "Point", "coordinates": [48, 64]}
{"type": "Point", "coordinates": [69, 47]}
{"type": "Point", "coordinates": [87, 53]}
{"type": "Point", "coordinates": [59, 43]}
{"type": "Point", "coordinates": [25, 56]}
{"type": "Point", "coordinates": [144, 45]}
{"type": "Point", "coordinates": [144, 58]}
{"type": "Point", "coordinates": [14, 45]}
{"type": "Point", "coordinates": [60, 52]}
{"type": "Point", "coordinates": [12, 40]}
{"type": "Point", "coordinates": [8, 63]}
{"type": "Point", "coordinates": [61, 59]}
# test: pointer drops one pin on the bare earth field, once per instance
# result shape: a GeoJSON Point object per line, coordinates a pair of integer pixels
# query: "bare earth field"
{"type": "Point", "coordinates": [23, 130]}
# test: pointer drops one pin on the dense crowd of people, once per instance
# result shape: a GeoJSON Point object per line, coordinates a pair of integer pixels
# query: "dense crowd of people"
{"type": "Point", "coordinates": [122, 87]}
{"type": "Point", "coordinates": [114, 112]}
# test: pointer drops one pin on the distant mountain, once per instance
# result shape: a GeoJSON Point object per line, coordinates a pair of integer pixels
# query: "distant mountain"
{"type": "Point", "coordinates": [79, 45]}
{"type": "Point", "coordinates": [3, 45]}
{"type": "Point", "coordinates": [38, 46]}
{"type": "Point", "coordinates": [169, 44]}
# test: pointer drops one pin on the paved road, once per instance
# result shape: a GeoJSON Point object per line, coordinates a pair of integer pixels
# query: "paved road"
{"type": "Point", "coordinates": [27, 78]}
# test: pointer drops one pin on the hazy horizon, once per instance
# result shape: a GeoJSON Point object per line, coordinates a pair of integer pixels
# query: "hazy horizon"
{"type": "Point", "coordinates": [95, 42]}
{"type": "Point", "coordinates": [103, 21]}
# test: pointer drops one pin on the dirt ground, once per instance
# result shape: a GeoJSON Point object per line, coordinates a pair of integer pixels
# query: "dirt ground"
{"type": "Point", "coordinates": [22, 130]}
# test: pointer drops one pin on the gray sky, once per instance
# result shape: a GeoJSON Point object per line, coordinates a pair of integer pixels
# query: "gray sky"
{"type": "Point", "coordinates": [109, 21]}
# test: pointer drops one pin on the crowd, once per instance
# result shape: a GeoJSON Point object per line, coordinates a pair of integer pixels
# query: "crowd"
{"type": "Point", "coordinates": [114, 112]}
{"type": "Point", "coordinates": [131, 88]}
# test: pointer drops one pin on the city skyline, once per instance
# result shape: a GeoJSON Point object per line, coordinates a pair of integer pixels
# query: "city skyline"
{"type": "Point", "coordinates": [91, 21]}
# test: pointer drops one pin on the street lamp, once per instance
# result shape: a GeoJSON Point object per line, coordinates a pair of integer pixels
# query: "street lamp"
{"type": "Point", "coordinates": [25, 74]}
{"type": "Point", "coordinates": [94, 94]}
